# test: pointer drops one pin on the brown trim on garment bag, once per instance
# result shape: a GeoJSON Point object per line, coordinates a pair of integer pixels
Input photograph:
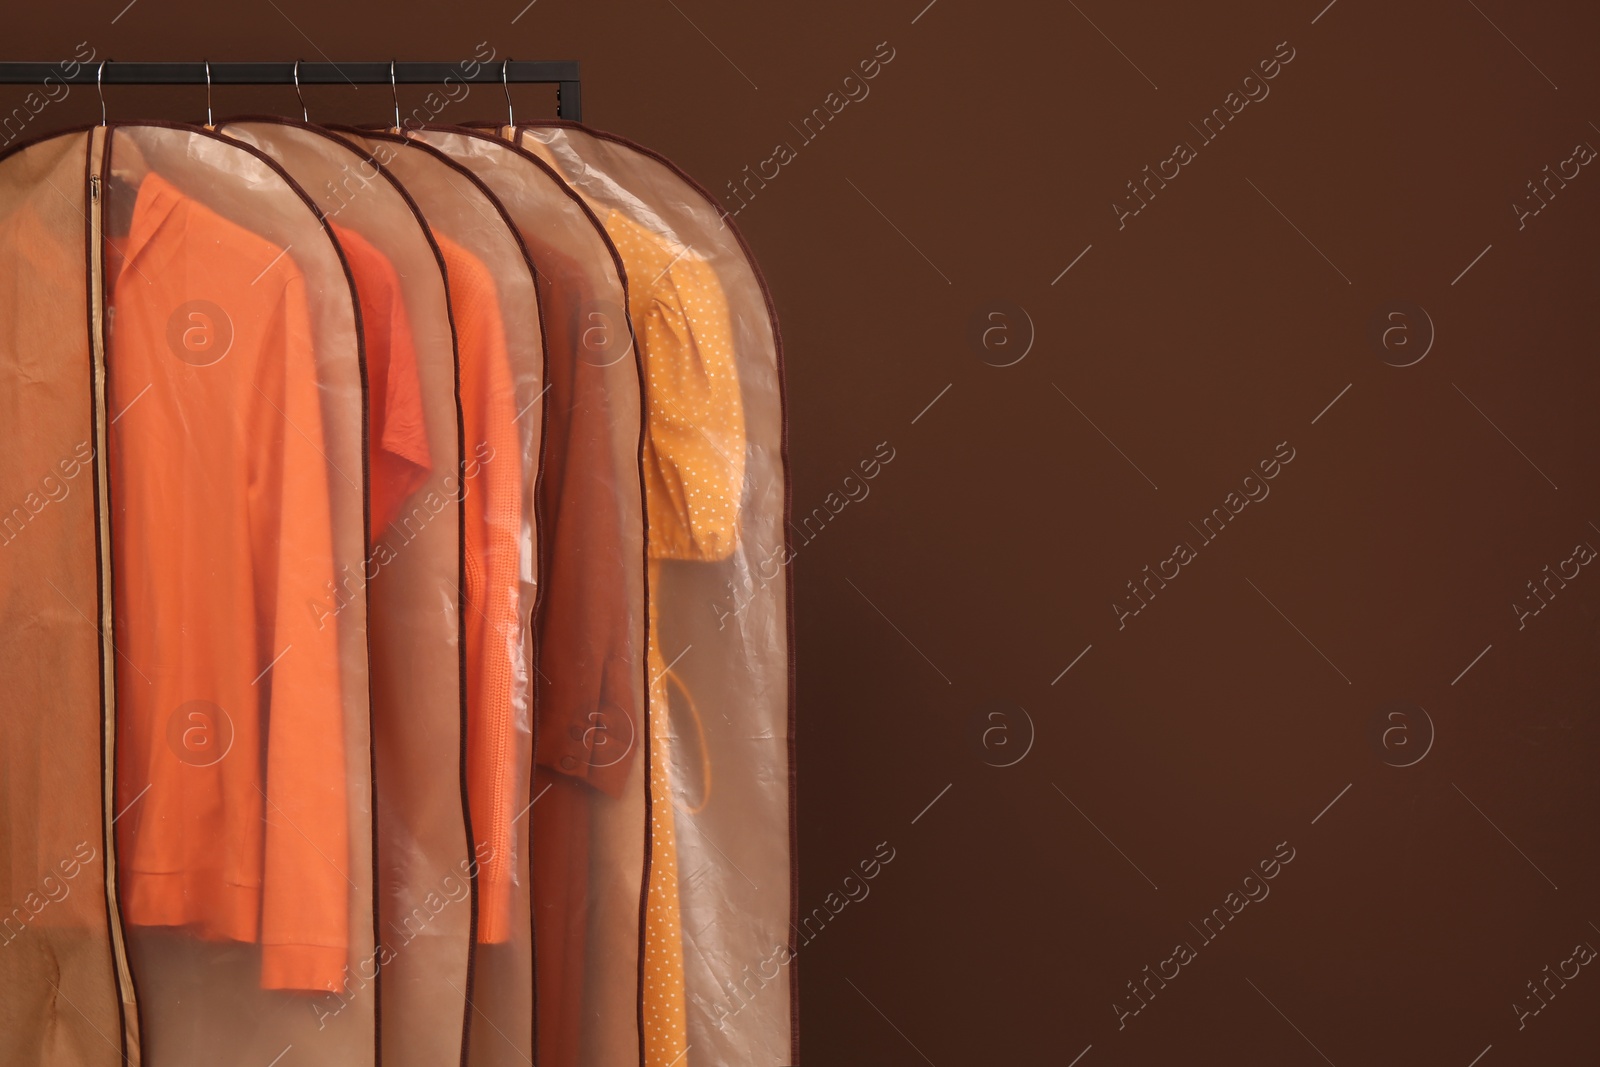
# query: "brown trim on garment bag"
{"type": "Point", "coordinates": [366, 492]}
{"type": "Point", "coordinates": [105, 579]}
{"type": "Point", "coordinates": [114, 928]}
{"type": "Point", "coordinates": [461, 543]}
{"type": "Point", "coordinates": [788, 545]}
{"type": "Point", "coordinates": [383, 134]}
{"type": "Point", "coordinates": [638, 359]}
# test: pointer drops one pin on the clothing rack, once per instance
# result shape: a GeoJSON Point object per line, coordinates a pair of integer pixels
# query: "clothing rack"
{"type": "Point", "coordinates": [563, 74]}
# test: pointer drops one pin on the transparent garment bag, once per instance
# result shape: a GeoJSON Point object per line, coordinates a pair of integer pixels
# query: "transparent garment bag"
{"type": "Point", "coordinates": [413, 576]}
{"type": "Point", "coordinates": [717, 499]}
{"type": "Point", "coordinates": [236, 404]}
{"type": "Point", "coordinates": [502, 366]}
{"type": "Point", "coordinates": [590, 824]}
{"type": "Point", "coordinates": [59, 967]}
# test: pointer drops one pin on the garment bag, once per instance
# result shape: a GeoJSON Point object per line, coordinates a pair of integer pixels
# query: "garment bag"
{"type": "Point", "coordinates": [60, 959]}
{"type": "Point", "coordinates": [590, 824]}
{"type": "Point", "coordinates": [413, 574]}
{"type": "Point", "coordinates": [502, 364]}
{"type": "Point", "coordinates": [237, 522]}
{"type": "Point", "coordinates": [722, 889]}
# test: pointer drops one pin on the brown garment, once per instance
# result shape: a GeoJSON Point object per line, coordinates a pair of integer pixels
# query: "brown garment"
{"type": "Point", "coordinates": [585, 700]}
{"type": "Point", "coordinates": [588, 721]}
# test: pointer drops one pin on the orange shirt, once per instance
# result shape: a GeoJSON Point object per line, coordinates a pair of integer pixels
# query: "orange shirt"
{"type": "Point", "coordinates": [397, 448]}
{"type": "Point", "coordinates": [230, 754]}
{"type": "Point", "coordinates": [497, 680]}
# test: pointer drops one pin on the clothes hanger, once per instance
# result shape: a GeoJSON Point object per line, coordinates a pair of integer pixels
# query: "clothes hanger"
{"type": "Point", "coordinates": [305, 113]}
{"type": "Point", "coordinates": [505, 83]}
{"type": "Point", "coordinates": [122, 183]}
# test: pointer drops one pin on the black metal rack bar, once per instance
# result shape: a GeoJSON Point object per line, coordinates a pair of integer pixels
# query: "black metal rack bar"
{"type": "Point", "coordinates": [561, 73]}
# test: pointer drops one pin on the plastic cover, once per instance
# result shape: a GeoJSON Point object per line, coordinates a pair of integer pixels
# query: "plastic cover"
{"type": "Point", "coordinates": [590, 822]}
{"type": "Point", "coordinates": [59, 1001]}
{"type": "Point", "coordinates": [717, 493]}
{"type": "Point", "coordinates": [501, 351]}
{"type": "Point", "coordinates": [413, 575]}
{"type": "Point", "coordinates": [235, 394]}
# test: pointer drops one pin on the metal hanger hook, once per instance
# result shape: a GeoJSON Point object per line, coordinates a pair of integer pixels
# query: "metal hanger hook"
{"type": "Point", "coordinates": [394, 92]}
{"type": "Point", "coordinates": [305, 114]}
{"type": "Point", "coordinates": [99, 88]}
{"type": "Point", "coordinates": [208, 93]}
{"type": "Point", "coordinates": [505, 83]}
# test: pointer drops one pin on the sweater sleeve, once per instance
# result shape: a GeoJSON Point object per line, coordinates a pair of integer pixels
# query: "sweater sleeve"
{"type": "Point", "coordinates": [304, 911]}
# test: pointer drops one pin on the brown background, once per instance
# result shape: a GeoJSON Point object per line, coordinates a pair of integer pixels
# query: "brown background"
{"type": "Point", "coordinates": [936, 616]}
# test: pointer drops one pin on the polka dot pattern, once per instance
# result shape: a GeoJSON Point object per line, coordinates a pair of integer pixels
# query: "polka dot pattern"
{"type": "Point", "coordinates": [694, 479]}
